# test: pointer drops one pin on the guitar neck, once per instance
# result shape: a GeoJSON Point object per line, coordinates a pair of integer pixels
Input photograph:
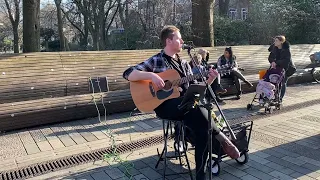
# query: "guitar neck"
{"type": "Point", "coordinates": [189, 78]}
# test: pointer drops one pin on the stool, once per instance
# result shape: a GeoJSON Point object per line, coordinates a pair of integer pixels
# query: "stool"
{"type": "Point", "coordinates": [178, 154]}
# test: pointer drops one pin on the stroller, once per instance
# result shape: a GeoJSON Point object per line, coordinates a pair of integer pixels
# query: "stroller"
{"type": "Point", "coordinates": [268, 90]}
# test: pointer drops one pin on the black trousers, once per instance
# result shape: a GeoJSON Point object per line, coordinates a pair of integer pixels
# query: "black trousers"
{"type": "Point", "coordinates": [196, 121]}
{"type": "Point", "coordinates": [237, 75]}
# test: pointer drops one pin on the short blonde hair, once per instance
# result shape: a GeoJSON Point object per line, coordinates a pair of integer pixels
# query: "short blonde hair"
{"type": "Point", "coordinates": [203, 52]}
{"type": "Point", "coordinates": [281, 38]}
{"type": "Point", "coordinates": [197, 58]}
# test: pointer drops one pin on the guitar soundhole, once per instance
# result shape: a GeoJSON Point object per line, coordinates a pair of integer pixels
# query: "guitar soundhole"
{"type": "Point", "coordinates": [168, 85]}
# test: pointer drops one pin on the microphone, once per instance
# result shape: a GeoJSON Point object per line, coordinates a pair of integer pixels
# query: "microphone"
{"type": "Point", "coordinates": [185, 46]}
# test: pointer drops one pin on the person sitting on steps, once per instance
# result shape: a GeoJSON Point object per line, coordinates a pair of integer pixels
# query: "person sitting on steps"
{"type": "Point", "coordinates": [228, 67]}
{"type": "Point", "coordinates": [216, 85]}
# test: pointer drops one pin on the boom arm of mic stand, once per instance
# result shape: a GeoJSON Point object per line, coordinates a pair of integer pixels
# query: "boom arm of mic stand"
{"type": "Point", "coordinates": [213, 97]}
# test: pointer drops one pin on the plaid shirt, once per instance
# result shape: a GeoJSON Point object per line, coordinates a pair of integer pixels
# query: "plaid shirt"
{"type": "Point", "coordinates": [158, 63]}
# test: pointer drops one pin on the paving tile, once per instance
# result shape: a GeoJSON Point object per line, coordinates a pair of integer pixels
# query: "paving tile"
{"type": "Point", "coordinates": [129, 171]}
{"type": "Point", "coordinates": [249, 177]}
{"type": "Point", "coordinates": [37, 135]}
{"type": "Point", "coordinates": [114, 173]}
{"type": "Point", "coordinates": [92, 129]}
{"type": "Point", "coordinates": [234, 171]}
{"type": "Point", "coordinates": [77, 138]}
{"type": "Point", "coordinates": [305, 178]}
{"type": "Point", "coordinates": [48, 133]}
{"type": "Point", "coordinates": [311, 167]}
{"type": "Point", "coordinates": [280, 175]}
{"type": "Point", "coordinates": [309, 160]}
{"type": "Point", "coordinates": [26, 138]}
{"type": "Point", "coordinates": [258, 174]}
{"type": "Point", "coordinates": [151, 123]}
{"type": "Point", "coordinates": [150, 173]}
{"type": "Point", "coordinates": [263, 168]}
{"type": "Point", "coordinates": [44, 146]}
{"type": "Point", "coordinates": [100, 175]}
{"type": "Point", "coordinates": [67, 141]}
{"type": "Point", "coordinates": [11, 146]}
{"type": "Point", "coordinates": [171, 172]}
{"type": "Point", "coordinates": [140, 177]}
{"type": "Point", "coordinates": [88, 177]}
{"type": "Point", "coordinates": [261, 154]}
{"type": "Point", "coordinates": [273, 153]}
{"type": "Point", "coordinates": [293, 160]}
{"type": "Point", "coordinates": [31, 148]}
{"type": "Point", "coordinates": [138, 164]}
{"type": "Point", "coordinates": [296, 175]}
{"type": "Point", "coordinates": [228, 176]}
{"type": "Point", "coordinates": [143, 125]}
{"type": "Point", "coordinates": [258, 159]}
{"type": "Point", "coordinates": [56, 143]}
{"type": "Point", "coordinates": [81, 130]}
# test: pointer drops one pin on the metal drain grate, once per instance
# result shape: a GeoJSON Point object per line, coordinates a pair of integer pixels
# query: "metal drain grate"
{"type": "Point", "coordinates": [74, 160]}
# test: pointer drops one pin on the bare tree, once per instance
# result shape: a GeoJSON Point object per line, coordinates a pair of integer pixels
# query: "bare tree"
{"type": "Point", "coordinates": [97, 12]}
{"type": "Point", "coordinates": [62, 39]}
{"type": "Point", "coordinates": [31, 25]}
{"type": "Point", "coordinates": [12, 8]}
{"type": "Point", "coordinates": [78, 22]}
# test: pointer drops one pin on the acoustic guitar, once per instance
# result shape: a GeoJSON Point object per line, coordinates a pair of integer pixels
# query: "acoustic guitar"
{"type": "Point", "coordinates": [147, 96]}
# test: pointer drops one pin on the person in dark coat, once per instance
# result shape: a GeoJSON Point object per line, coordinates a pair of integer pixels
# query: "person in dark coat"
{"type": "Point", "coordinates": [280, 56]}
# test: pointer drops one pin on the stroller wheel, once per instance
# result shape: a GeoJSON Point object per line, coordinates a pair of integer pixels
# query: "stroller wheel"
{"type": "Point", "coordinates": [243, 159]}
{"type": "Point", "coordinates": [278, 106]}
{"type": "Point", "coordinates": [249, 106]}
{"type": "Point", "coordinates": [268, 109]}
{"type": "Point", "coordinates": [215, 169]}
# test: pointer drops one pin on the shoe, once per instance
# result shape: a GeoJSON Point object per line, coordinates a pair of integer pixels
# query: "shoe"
{"type": "Point", "coordinates": [228, 147]}
{"type": "Point", "coordinates": [179, 146]}
{"type": "Point", "coordinates": [221, 90]}
{"type": "Point", "coordinates": [238, 97]}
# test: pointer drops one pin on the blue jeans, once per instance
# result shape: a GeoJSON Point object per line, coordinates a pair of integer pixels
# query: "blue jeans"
{"type": "Point", "coordinates": [283, 87]}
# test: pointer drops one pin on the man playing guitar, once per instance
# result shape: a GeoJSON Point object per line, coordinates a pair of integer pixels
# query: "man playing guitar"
{"type": "Point", "coordinates": [193, 118]}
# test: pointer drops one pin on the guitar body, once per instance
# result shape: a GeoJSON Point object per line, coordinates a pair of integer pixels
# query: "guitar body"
{"type": "Point", "coordinates": [146, 96]}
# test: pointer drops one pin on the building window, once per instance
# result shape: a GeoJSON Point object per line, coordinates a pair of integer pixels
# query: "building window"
{"type": "Point", "coordinates": [244, 13]}
{"type": "Point", "coordinates": [232, 13]}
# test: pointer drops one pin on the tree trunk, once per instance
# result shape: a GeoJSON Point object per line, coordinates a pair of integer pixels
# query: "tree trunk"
{"type": "Point", "coordinates": [15, 39]}
{"type": "Point", "coordinates": [31, 27]}
{"type": "Point", "coordinates": [60, 25]}
{"type": "Point", "coordinates": [202, 22]}
{"type": "Point", "coordinates": [95, 39]}
{"type": "Point", "coordinates": [102, 26]}
{"type": "Point", "coordinates": [223, 7]}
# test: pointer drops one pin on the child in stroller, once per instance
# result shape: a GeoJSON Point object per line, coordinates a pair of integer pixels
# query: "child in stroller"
{"type": "Point", "coordinates": [268, 89]}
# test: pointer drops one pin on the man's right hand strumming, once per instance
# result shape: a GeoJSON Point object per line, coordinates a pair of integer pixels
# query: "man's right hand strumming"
{"type": "Point", "coordinates": [157, 80]}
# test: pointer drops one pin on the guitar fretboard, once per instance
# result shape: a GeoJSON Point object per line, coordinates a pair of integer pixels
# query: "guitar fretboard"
{"type": "Point", "coordinates": [188, 78]}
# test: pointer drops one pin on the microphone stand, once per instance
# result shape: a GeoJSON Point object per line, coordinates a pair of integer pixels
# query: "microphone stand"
{"type": "Point", "coordinates": [208, 106]}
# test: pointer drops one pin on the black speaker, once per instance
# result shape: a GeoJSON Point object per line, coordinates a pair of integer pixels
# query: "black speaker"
{"type": "Point", "coordinates": [98, 84]}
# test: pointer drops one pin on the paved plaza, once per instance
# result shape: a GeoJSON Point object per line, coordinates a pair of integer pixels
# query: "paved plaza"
{"type": "Point", "coordinates": [283, 146]}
